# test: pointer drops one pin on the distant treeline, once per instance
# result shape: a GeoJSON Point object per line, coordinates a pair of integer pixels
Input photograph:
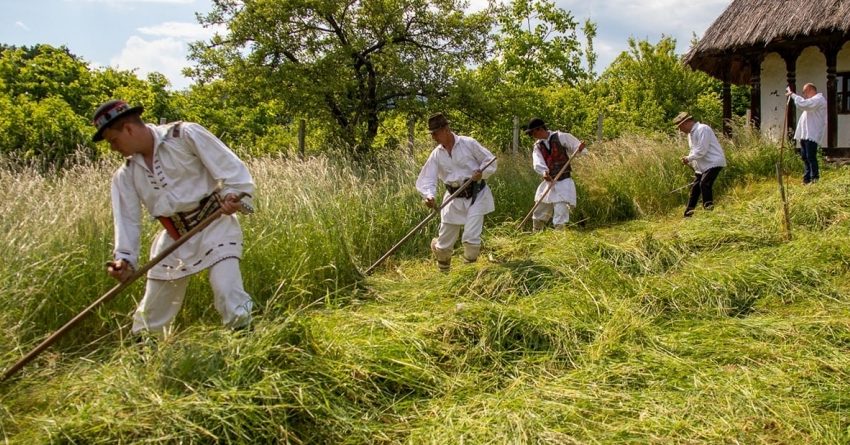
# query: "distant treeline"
{"type": "Point", "coordinates": [357, 75]}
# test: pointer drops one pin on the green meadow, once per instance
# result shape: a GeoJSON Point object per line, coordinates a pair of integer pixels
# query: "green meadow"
{"type": "Point", "coordinates": [634, 325]}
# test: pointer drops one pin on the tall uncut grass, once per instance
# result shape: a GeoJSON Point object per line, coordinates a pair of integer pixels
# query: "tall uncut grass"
{"type": "Point", "coordinates": [641, 327]}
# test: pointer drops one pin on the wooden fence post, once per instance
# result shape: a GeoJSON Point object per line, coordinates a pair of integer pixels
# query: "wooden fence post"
{"type": "Point", "coordinates": [599, 121]}
{"type": "Point", "coordinates": [515, 146]}
{"type": "Point", "coordinates": [411, 126]}
{"type": "Point", "coordinates": [302, 129]}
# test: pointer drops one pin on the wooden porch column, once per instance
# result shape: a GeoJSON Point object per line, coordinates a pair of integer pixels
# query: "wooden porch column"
{"type": "Point", "coordinates": [755, 90]}
{"type": "Point", "coordinates": [727, 97]}
{"type": "Point", "coordinates": [790, 57]}
{"type": "Point", "coordinates": [830, 50]}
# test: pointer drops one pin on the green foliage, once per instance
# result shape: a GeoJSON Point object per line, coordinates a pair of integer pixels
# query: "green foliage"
{"type": "Point", "coordinates": [357, 74]}
{"type": "Point", "coordinates": [44, 71]}
{"type": "Point", "coordinates": [53, 94]}
{"type": "Point", "coordinates": [536, 44]}
{"type": "Point", "coordinates": [647, 86]}
{"type": "Point", "coordinates": [346, 63]}
{"type": "Point", "coordinates": [536, 63]}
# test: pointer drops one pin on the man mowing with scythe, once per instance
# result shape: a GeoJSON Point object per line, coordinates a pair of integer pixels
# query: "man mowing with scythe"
{"type": "Point", "coordinates": [181, 174]}
{"type": "Point", "coordinates": [551, 156]}
{"type": "Point", "coordinates": [455, 160]}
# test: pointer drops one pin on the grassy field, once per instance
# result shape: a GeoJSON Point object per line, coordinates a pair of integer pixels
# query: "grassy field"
{"type": "Point", "coordinates": [636, 326]}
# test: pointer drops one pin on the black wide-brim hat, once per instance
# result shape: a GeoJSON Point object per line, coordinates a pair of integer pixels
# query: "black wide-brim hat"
{"type": "Point", "coordinates": [108, 112]}
{"type": "Point", "coordinates": [436, 122]}
{"type": "Point", "coordinates": [534, 124]}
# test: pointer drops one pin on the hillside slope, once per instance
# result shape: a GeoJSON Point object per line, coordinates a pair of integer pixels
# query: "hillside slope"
{"type": "Point", "coordinates": [704, 330]}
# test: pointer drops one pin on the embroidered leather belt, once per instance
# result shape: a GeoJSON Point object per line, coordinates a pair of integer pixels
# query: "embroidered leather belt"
{"type": "Point", "coordinates": [470, 191]}
{"type": "Point", "coordinates": [181, 223]}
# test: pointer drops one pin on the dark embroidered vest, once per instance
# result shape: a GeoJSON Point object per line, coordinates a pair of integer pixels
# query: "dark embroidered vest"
{"type": "Point", "coordinates": [556, 156]}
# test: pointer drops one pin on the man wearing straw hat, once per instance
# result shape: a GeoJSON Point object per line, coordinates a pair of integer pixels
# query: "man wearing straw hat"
{"type": "Point", "coordinates": [452, 162]}
{"type": "Point", "coordinates": [175, 172]}
{"type": "Point", "coordinates": [811, 128]}
{"type": "Point", "coordinates": [706, 158]}
{"type": "Point", "coordinates": [551, 153]}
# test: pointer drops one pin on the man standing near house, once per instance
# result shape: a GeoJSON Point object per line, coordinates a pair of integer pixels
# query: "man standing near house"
{"type": "Point", "coordinates": [175, 171]}
{"type": "Point", "coordinates": [552, 152]}
{"type": "Point", "coordinates": [706, 158]}
{"type": "Point", "coordinates": [452, 162]}
{"type": "Point", "coordinates": [811, 128]}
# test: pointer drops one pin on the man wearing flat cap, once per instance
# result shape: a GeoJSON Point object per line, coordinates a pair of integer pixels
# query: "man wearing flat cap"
{"type": "Point", "coordinates": [706, 158]}
{"type": "Point", "coordinates": [551, 154]}
{"type": "Point", "coordinates": [181, 174]}
{"type": "Point", "coordinates": [456, 159]}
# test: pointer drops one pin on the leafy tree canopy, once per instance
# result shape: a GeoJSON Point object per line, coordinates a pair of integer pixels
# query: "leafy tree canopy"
{"type": "Point", "coordinates": [344, 62]}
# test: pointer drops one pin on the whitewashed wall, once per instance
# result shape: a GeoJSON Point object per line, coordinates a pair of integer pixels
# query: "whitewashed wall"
{"type": "Point", "coordinates": [773, 81]}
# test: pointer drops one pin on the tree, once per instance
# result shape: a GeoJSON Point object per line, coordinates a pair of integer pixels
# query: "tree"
{"type": "Point", "coordinates": [54, 93]}
{"type": "Point", "coordinates": [536, 43]}
{"type": "Point", "coordinates": [343, 62]}
{"type": "Point", "coordinates": [648, 85]}
{"type": "Point", "coordinates": [535, 52]}
{"type": "Point", "coordinates": [43, 71]}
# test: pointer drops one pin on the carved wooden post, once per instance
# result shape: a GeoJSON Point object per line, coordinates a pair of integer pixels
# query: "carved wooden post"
{"type": "Point", "coordinates": [755, 90]}
{"type": "Point", "coordinates": [830, 50]}
{"type": "Point", "coordinates": [790, 57]}
{"type": "Point", "coordinates": [727, 97]}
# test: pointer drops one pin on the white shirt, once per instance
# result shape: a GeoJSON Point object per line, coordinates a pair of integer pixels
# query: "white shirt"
{"type": "Point", "coordinates": [467, 157]}
{"type": "Point", "coordinates": [812, 123]}
{"type": "Point", "coordinates": [564, 190]}
{"type": "Point", "coordinates": [186, 169]}
{"type": "Point", "coordinates": [706, 152]}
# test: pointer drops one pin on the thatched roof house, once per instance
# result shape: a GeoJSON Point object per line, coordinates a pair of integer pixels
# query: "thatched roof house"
{"type": "Point", "coordinates": [749, 32]}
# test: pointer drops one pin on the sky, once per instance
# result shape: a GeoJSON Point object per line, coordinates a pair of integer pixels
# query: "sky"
{"type": "Point", "coordinates": [153, 35]}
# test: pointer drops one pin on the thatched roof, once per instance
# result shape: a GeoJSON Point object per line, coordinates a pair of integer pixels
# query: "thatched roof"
{"type": "Point", "coordinates": [756, 26]}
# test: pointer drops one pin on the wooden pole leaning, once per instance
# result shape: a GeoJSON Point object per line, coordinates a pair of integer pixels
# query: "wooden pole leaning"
{"type": "Point", "coordinates": [550, 187]}
{"type": "Point", "coordinates": [110, 295]}
{"type": "Point", "coordinates": [780, 173]}
{"type": "Point", "coordinates": [434, 212]}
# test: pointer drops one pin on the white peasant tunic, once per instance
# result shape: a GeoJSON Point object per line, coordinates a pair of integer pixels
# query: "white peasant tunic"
{"type": "Point", "coordinates": [564, 190]}
{"type": "Point", "coordinates": [467, 156]}
{"type": "Point", "coordinates": [189, 162]}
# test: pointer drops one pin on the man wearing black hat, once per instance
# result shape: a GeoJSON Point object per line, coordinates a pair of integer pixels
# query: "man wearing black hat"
{"type": "Point", "coordinates": [174, 171]}
{"type": "Point", "coordinates": [552, 152]}
{"type": "Point", "coordinates": [452, 162]}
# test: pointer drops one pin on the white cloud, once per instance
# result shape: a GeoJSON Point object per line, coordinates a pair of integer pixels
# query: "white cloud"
{"type": "Point", "coordinates": [648, 18]}
{"type": "Point", "coordinates": [182, 30]}
{"type": "Point", "coordinates": [22, 25]}
{"type": "Point", "coordinates": [618, 20]}
{"type": "Point", "coordinates": [477, 5]}
{"type": "Point", "coordinates": [166, 50]}
{"type": "Point", "coordinates": [167, 56]}
{"type": "Point", "coordinates": [115, 2]}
